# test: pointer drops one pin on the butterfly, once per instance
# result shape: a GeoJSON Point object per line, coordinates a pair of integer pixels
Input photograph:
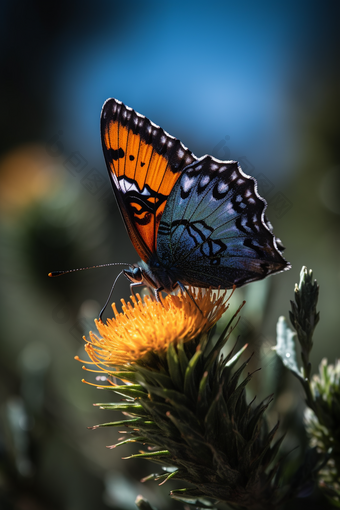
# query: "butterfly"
{"type": "Point", "coordinates": [193, 221]}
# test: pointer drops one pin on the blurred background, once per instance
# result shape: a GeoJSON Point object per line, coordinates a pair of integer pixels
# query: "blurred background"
{"type": "Point", "coordinates": [253, 81]}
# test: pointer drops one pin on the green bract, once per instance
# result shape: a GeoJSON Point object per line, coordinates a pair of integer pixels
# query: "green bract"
{"type": "Point", "coordinates": [189, 406]}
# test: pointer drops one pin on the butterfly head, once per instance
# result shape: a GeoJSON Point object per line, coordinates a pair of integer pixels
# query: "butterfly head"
{"type": "Point", "coordinates": [141, 274]}
{"type": "Point", "coordinates": [134, 274]}
{"type": "Point", "coordinates": [152, 275]}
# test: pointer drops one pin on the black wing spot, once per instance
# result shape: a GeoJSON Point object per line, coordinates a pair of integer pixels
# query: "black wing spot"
{"type": "Point", "coordinates": [141, 163]}
{"type": "Point", "coordinates": [131, 158]}
{"type": "Point", "coordinates": [261, 252]}
{"type": "Point", "coordinates": [185, 194]}
{"type": "Point", "coordinates": [240, 227]}
{"type": "Point", "coordinates": [116, 154]}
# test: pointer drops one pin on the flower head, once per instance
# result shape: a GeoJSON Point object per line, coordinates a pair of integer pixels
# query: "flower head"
{"type": "Point", "coordinates": [184, 400]}
{"type": "Point", "coordinates": [149, 326]}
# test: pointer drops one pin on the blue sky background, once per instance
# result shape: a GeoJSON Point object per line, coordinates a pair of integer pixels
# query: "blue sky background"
{"type": "Point", "coordinates": [202, 71]}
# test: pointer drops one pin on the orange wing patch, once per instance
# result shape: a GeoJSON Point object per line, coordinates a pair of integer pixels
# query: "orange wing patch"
{"type": "Point", "coordinates": [144, 163]}
{"type": "Point", "coordinates": [140, 169]}
{"type": "Point", "coordinates": [137, 160]}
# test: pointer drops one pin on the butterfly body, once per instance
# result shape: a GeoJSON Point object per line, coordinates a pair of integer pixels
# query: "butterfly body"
{"type": "Point", "coordinates": [154, 275]}
{"type": "Point", "coordinates": [198, 222]}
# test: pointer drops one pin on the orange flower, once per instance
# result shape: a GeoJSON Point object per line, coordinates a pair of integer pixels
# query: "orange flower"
{"type": "Point", "coordinates": [149, 326]}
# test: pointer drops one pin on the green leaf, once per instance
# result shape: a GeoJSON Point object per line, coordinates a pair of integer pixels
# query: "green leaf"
{"type": "Point", "coordinates": [237, 393]}
{"type": "Point", "coordinates": [190, 434]}
{"type": "Point", "coordinates": [176, 398]}
{"type": "Point", "coordinates": [175, 367]}
{"type": "Point", "coordinates": [120, 423]}
{"type": "Point", "coordinates": [120, 405]}
{"type": "Point", "coordinates": [158, 412]}
{"type": "Point", "coordinates": [191, 380]}
{"type": "Point", "coordinates": [135, 439]}
{"type": "Point", "coordinates": [154, 378]}
{"type": "Point", "coordinates": [125, 376]}
{"type": "Point", "coordinates": [231, 362]}
{"type": "Point", "coordinates": [203, 398]}
{"type": "Point", "coordinates": [149, 455]}
{"type": "Point", "coordinates": [182, 357]}
{"type": "Point", "coordinates": [233, 383]}
{"type": "Point", "coordinates": [129, 390]}
{"type": "Point", "coordinates": [285, 346]}
{"type": "Point", "coordinates": [219, 426]}
{"type": "Point", "coordinates": [224, 337]}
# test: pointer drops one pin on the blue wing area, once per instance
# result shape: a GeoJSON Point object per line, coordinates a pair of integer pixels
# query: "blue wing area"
{"type": "Point", "coordinates": [213, 231]}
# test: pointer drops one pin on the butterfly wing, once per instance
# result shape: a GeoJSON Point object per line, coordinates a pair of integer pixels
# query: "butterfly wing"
{"type": "Point", "coordinates": [213, 231]}
{"type": "Point", "coordinates": [144, 163]}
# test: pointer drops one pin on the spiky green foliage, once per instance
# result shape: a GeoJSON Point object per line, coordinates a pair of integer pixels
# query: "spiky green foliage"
{"type": "Point", "coordinates": [304, 316]}
{"type": "Point", "coordinates": [324, 429]}
{"type": "Point", "coordinates": [189, 407]}
{"type": "Point", "coordinates": [323, 391]}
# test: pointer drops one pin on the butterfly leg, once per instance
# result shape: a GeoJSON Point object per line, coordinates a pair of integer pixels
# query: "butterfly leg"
{"type": "Point", "coordinates": [135, 284]}
{"type": "Point", "coordinates": [154, 293]}
{"type": "Point", "coordinates": [157, 291]}
{"type": "Point", "coordinates": [185, 290]}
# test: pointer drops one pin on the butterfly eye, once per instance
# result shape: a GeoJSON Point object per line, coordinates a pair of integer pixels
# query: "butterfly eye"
{"type": "Point", "coordinates": [134, 274]}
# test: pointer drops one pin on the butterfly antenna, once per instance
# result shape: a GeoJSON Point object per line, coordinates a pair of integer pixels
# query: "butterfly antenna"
{"type": "Point", "coordinates": [109, 297]}
{"type": "Point", "coordinates": [60, 273]}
